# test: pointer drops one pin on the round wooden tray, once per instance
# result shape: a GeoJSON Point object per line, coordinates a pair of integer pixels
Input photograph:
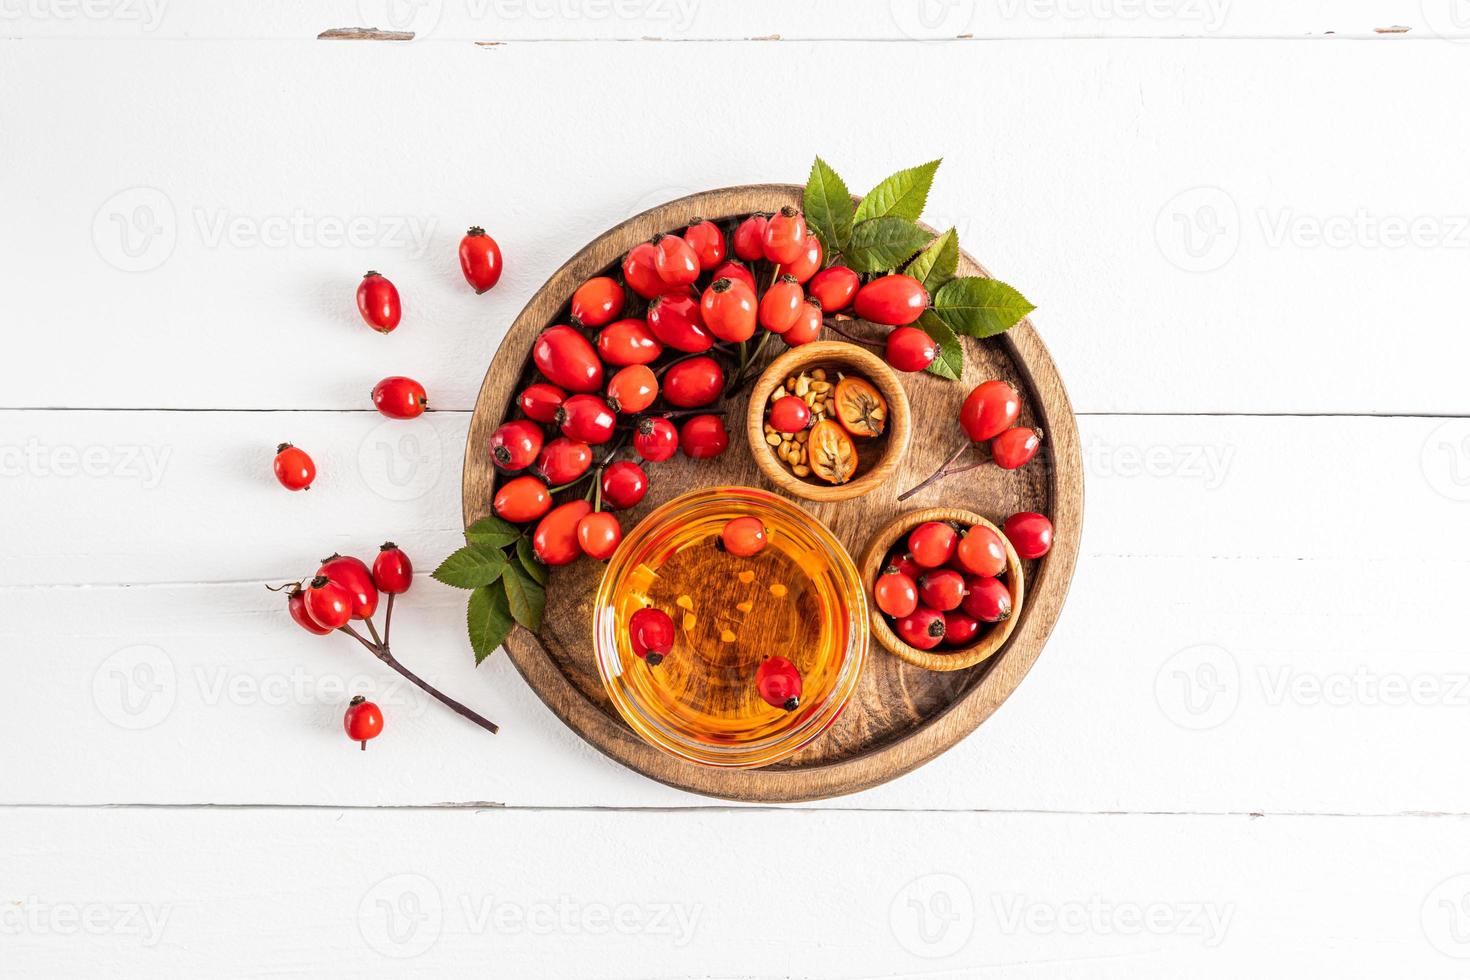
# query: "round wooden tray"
{"type": "Point", "coordinates": [901, 716]}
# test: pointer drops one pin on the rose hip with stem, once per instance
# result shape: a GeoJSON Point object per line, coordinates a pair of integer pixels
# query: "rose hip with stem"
{"type": "Point", "coordinates": [362, 720]}
{"type": "Point", "coordinates": [327, 600]}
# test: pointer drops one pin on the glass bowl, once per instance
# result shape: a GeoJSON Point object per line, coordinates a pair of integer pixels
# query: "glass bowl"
{"type": "Point", "coordinates": [800, 598]}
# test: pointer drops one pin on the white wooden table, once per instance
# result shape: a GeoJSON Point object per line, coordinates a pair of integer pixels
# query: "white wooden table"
{"type": "Point", "coordinates": [1246, 228]}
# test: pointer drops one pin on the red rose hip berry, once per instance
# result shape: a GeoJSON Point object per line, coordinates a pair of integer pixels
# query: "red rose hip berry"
{"type": "Point", "coordinates": [587, 418]}
{"type": "Point", "coordinates": [932, 543]}
{"type": "Point", "coordinates": [597, 302]}
{"type": "Point", "coordinates": [294, 468]}
{"type": "Point", "coordinates": [296, 606]}
{"type": "Point", "coordinates": [555, 539]}
{"type": "Point", "coordinates": [980, 551]}
{"type": "Point", "coordinates": [910, 349]}
{"type": "Point", "coordinates": [624, 484]}
{"type": "Point", "coordinates": [628, 342]}
{"type": "Point", "coordinates": [392, 571]}
{"type": "Point", "coordinates": [895, 300]}
{"type": "Point", "coordinates": [540, 401]}
{"type": "Point", "coordinates": [922, 629]}
{"type": "Point", "coordinates": [789, 414]}
{"type": "Point", "coordinates": [808, 325]}
{"type": "Point", "coordinates": [729, 309]}
{"type": "Point", "coordinates": [834, 288]}
{"type": "Point", "coordinates": [781, 305]}
{"type": "Point", "coordinates": [743, 536]}
{"type": "Point", "coordinates": [678, 322]}
{"type": "Point", "coordinates": [640, 271]}
{"type": "Point", "coordinates": [328, 603]}
{"type": "Point", "coordinates": [562, 460]}
{"type": "Point", "coordinates": [988, 599]}
{"type": "Point", "coordinates": [655, 439]}
{"type": "Point", "coordinates": [362, 720]}
{"type": "Point", "coordinates": [632, 389]}
{"type": "Point", "coordinates": [651, 635]}
{"type": "Point", "coordinates": [750, 236]}
{"type": "Point", "coordinates": [694, 383]}
{"type": "Point", "coordinates": [989, 410]}
{"type": "Point", "coordinates": [522, 500]}
{"type": "Point", "coordinates": [704, 437]}
{"type": "Point", "coordinates": [895, 593]}
{"type": "Point", "coordinates": [400, 398]}
{"type": "Point", "coordinates": [1029, 533]}
{"type": "Point", "coordinates": [779, 683]}
{"type": "Point", "coordinates": [785, 233]}
{"type": "Point", "coordinates": [1014, 448]}
{"type": "Point", "coordinates": [567, 359]}
{"type": "Point", "coordinates": [674, 261]}
{"type": "Point", "coordinates": [479, 259]}
{"type": "Point", "coordinates": [516, 444]}
{"type": "Point", "coordinates": [598, 534]}
{"type": "Point", "coordinates": [942, 589]}
{"type": "Point", "coordinates": [707, 241]}
{"type": "Point", "coordinates": [378, 302]}
{"type": "Point", "coordinates": [960, 629]}
{"type": "Point", "coordinates": [354, 576]}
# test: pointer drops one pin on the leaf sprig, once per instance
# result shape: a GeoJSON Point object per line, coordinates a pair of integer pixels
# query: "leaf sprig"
{"type": "Point", "coordinates": [508, 582]}
{"type": "Point", "coordinates": [880, 234]}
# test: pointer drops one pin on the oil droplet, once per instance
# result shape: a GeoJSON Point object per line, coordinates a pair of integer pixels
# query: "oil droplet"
{"type": "Point", "coordinates": [747, 576]}
{"type": "Point", "coordinates": [727, 637]}
{"type": "Point", "coordinates": [778, 590]}
{"type": "Point", "coordinates": [746, 606]}
{"type": "Point", "coordinates": [688, 622]}
{"type": "Point", "coordinates": [684, 602]}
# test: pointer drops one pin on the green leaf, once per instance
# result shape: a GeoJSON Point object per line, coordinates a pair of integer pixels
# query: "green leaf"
{"type": "Point", "coordinates": [527, 554]}
{"type": "Point", "coordinates": [527, 599]}
{"type": "Point", "coordinates": [489, 620]}
{"type": "Point", "coordinates": [828, 207]}
{"type": "Point", "coordinates": [950, 362]}
{"type": "Point", "coordinates": [471, 567]}
{"type": "Point", "coordinates": [980, 307]}
{"type": "Point", "coordinates": [491, 532]}
{"type": "Point", "coordinates": [901, 195]}
{"type": "Point", "coordinates": [883, 243]}
{"type": "Point", "coordinates": [936, 265]}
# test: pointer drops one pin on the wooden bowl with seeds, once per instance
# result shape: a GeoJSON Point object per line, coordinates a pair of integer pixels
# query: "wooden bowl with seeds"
{"type": "Point", "coordinates": [940, 658]}
{"type": "Point", "coordinates": [847, 390]}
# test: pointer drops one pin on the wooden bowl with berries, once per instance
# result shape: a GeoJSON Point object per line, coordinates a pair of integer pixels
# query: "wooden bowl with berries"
{"type": "Point", "coordinates": [828, 421]}
{"type": "Point", "coordinates": [946, 585]}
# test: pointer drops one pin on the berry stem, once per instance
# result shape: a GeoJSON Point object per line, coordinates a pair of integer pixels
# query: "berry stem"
{"type": "Point", "coordinates": [382, 652]}
{"type": "Point", "coordinates": [943, 471]}
{"type": "Point", "coordinates": [388, 620]}
{"type": "Point", "coordinates": [831, 324]}
{"type": "Point", "coordinates": [373, 631]}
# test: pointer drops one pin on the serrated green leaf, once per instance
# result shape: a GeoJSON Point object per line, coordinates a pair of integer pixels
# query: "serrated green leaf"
{"type": "Point", "coordinates": [527, 599]}
{"type": "Point", "coordinates": [489, 620]}
{"type": "Point", "coordinates": [828, 207]}
{"type": "Point", "coordinates": [900, 196]}
{"type": "Point", "coordinates": [527, 555]}
{"type": "Point", "coordinates": [936, 265]}
{"type": "Point", "coordinates": [883, 243]}
{"type": "Point", "coordinates": [949, 363]}
{"type": "Point", "coordinates": [471, 567]}
{"type": "Point", "coordinates": [491, 532]}
{"type": "Point", "coordinates": [980, 307]}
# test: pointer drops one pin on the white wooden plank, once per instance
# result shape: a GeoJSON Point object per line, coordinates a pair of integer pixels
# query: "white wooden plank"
{"type": "Point", "coordinates": [508, 20]}
{"type": "Point", "coordinates": [140, 497]}
{"type": "Point", "coordinates": [188, 893]}
{"type": "Point", "coordinates": [1165, 206]}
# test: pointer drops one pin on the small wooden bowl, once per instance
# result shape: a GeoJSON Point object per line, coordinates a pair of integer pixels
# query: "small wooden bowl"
{"type": "Point", "coordinates": [877, 459]}
{"type": "Point", "coordinates": [940, 659]}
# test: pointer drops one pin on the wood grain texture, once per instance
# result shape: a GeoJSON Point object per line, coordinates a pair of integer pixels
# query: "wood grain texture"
{"type": "Point", "coordinates": [878, 459]}
{"type": "Point", "coordinates": [901, 716]}
{"type": "Point", "coordinates": [994, 637]}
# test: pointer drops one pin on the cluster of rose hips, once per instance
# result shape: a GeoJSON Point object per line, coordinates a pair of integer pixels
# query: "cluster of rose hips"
{"type": "Point", "coordinates": [378, 302]}
{"type": "Point", "coordinates": [943, 584]}
{"type": "Point", "coordinates": [989, 414]}
{"type": "Point", "coordinates": [651, 630]}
